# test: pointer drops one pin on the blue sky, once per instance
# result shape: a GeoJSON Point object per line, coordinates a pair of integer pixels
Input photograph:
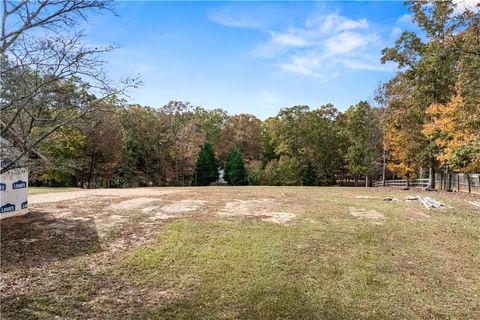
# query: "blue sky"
{"type": "Point", "coordinates": [251, 57]}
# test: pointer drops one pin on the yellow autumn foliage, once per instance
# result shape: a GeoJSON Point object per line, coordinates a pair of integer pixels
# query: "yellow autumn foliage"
{"type": "Point", "coordinates": [394, 142]}
{"type": "Point", "coordinates": [449, 126]}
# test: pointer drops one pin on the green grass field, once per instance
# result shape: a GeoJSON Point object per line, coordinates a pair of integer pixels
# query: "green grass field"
{"type": "Point", "coordinates": [226, 259]}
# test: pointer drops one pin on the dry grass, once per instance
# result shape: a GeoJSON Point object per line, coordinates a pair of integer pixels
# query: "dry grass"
{"type": "Point", "coordinates": [89, 258]}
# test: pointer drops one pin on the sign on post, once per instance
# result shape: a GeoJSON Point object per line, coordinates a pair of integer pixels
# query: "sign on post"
{"type": "Point", "coordinates": [13, 192]}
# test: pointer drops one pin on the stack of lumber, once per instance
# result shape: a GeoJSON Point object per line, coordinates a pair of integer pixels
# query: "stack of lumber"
{"type": "Point", "coordinates": [430, 203]}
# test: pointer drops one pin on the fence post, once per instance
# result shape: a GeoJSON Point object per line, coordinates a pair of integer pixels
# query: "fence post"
{"type": "Point", "coordinates": [449, 181]}
{"type": "Point", "coordinates": [468, 184]}
{"type": "Point", "coordinates": [384, 169]}
{"type": "Point", "coordinates": [458, 182]}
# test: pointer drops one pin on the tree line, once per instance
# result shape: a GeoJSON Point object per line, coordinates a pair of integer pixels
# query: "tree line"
{"type": "Point", "coordinates": [72, 127]}
{"type": "Point", "coordinates": [121, 145]}
{"type": "Point", "coordinates": [432, 105]}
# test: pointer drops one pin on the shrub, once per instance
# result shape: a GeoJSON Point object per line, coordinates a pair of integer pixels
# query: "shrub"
{"type": "Point", "coordinates": [284, 172]}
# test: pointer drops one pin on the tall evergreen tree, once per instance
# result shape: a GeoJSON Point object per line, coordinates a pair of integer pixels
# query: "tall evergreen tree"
{"type": "Point", "coordinates": [235, 172]}
{"type": "Point", "coordinates": [206, 170]}
{"type": "Point", "coordinates": [310, 175]}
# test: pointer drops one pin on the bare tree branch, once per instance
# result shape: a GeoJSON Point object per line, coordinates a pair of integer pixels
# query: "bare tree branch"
{"type": "Point", "coordinates": [49, 77]}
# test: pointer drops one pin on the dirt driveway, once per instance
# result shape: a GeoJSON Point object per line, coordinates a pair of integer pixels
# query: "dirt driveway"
{"type": "Point", "coordinates": [106, 193]}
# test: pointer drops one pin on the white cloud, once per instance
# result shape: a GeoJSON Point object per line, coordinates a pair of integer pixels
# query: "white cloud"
{"type": "Point", "coordinates": [406, 19]}
{"type": "Point", "coordinates": [288, 39]}
{"type": "Point", "coordinates": [347, 42]}
{"type": "Point", "coordinates": [304, 64]}
{"type": "Point", "coordinates": [396, 31]}
{"type": "Point", "coordinates": [226, 18]}
{"type": "Point", "coordinates": [463, 5]}
{"type": "Point", "coordinates": [335, 22]}
{"type": "Point", "coordinates": [319, 47]}
{"type": "Point", "coordinates": [328, 47]}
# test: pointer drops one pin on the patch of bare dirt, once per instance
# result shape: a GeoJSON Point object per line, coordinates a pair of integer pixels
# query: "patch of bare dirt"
{"type": "Point", "coordinates": [280, 217]}
{"type": "Point", "coordinates": [186, 205]}
{"type": "Point", "coordinates": [257, 208]}
{"type": "Point", "coordinates": [366, 214]}
{"type": "Point", "coordinates": [149, 209]}
{"type": "Point", "coordinates": [163, 216]}
{"type": "Point", "coordinates": [132, 203]}
{"type": "Point", "coordinates": [106, 223]}
{"type": "Point", "coordinates": [417, 215]}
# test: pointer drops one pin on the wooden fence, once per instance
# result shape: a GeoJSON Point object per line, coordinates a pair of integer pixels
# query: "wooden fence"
{"type": "Point", "coordinates": [459, 182]}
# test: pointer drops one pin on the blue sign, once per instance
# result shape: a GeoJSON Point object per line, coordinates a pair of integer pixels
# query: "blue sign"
{"type": "Point", "coordinates": [24, 205]}
{"type": "Point", "coordinates": [19, 184]}
{"type": "Point", "coordinates": [3, 187]}
{"type": "Point", "coordinates": [7, 208]}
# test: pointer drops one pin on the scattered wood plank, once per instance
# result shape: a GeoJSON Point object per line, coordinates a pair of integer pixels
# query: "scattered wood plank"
{"type": "Point", "coordinates": [475, 203]}
{"type": "Point", "coordinates": [390, 199]}
{"type": "Point", "coordinates": [411, 199]}
{"type": "Point", "coordinates": [423, 202]}
{"type": "Point", "coordinates": [434, 202]}
{"type": "Point", "coordinates": [430, 203]}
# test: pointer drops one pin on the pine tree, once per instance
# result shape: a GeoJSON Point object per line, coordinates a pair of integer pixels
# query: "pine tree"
{"type": "Point", "coordinates": [206, 170]}
{"type": "Point", "coordinates": [235, 172]}
{"type": "Point", "coordinates": [310, 175]}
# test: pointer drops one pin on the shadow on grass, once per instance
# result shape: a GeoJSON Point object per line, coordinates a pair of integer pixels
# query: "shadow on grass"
{"type": "Point", "coordinates": [37, 238]}
{"type": "Point", "coordinates": [282, 302]}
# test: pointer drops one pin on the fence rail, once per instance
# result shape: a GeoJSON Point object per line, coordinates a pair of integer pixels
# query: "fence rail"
{"type": "Point", "coordinates": [403, 183]}
{"type": "Point", "coordinates": [459, 182]}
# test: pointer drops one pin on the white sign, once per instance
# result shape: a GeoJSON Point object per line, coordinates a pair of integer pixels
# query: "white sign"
{"type": "Point", "coordinates": [13, 192]}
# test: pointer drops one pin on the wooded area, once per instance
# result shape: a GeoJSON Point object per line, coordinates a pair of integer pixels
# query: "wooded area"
{"type": "Point", "coordinates": [73, 128]}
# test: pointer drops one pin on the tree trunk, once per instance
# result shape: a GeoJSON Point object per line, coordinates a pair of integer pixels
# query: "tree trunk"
{"type": "Point", "coordinates": [468, 183]}
{"type": "Point", "coordinates": [90, 170]}
{"type": "Point", "coordinates": [366, 181]}
{"type": "Point", "coordinates": [431, 175]}
{"type": "Point", "coordinates": [384, 170]}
